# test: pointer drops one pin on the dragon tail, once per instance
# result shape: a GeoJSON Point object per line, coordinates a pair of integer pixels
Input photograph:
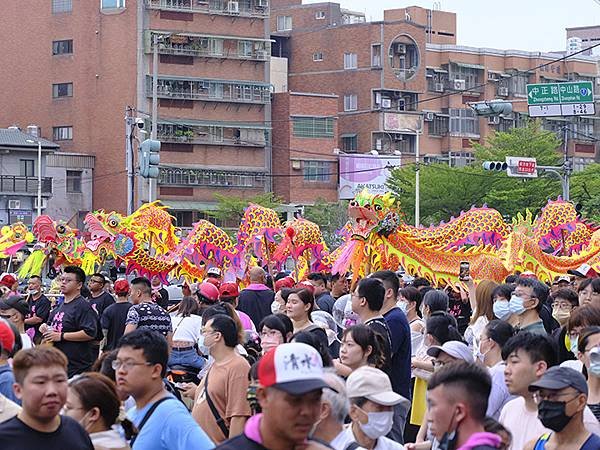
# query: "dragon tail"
{"type": "Point", "coordinates": [33, 264]}
{"type": "Point", "coordinates": [88, 263]}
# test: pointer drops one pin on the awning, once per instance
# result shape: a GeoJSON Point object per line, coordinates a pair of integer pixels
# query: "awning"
{"type": "Point", "coordinates": [552, 77]}
{"type": "Point", "coordinates": [438, 69]}
{"type": "Point", "coordinates": [469, 66]}
{"type": "Point", "coordinates": [348, 135]}
{"type": "Point", "coordinates": [186, 205]}
{"type": "Point", "coordinates": [208, 123]}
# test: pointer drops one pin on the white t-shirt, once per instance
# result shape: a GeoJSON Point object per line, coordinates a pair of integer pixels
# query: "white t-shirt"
{"type": "Point", "coordinates": [346, 437]}
{"type": "Point", "coordinates": [186, 328]}
{"type": "Point", "coordinates": [26, 340]}
{"type": "Point", "coordinates": [525, 426]}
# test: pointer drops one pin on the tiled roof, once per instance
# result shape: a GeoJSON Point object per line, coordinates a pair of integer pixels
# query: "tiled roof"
{"type": "Point", "coordinates": [17, 138]}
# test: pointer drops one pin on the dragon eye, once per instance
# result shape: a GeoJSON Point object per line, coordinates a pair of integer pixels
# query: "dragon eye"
{"type": "Point", "coordinates": [353, 203]}
{"type": "Point", "coordinates": [378, 207]}
{"type": "Point", "coordinates": [113, 223]}
{"type": "Point", "coordinates": [60, 228]}
{"type": "Point", "coordinates": [18, 235]}
{"type": "Point", "coordinates": [367, 206]}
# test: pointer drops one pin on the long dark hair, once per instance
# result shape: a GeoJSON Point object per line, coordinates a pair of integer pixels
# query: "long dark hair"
{"type": "Point", "coordinates": [188, 306]}
{"type": "Point", "coordinates": [365, 337]}
{"type": "Point", "coordinates": [306, 337]}
{"type": "Point", "coordinates": [443, 327]}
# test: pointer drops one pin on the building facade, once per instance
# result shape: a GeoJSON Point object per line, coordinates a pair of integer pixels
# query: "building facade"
{"type": "Point", "coordinates": [89, 61]}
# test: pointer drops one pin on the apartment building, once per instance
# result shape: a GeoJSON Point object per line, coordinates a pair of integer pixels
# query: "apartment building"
{"type": "Point", "coordinates": [73, 67]}
{"type": "Point", "coordinates": [406, 75]}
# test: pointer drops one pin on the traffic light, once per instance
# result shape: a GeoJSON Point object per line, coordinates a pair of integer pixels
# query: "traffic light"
{"type": "Point", "coordinates": [492, 108]}
{"type": "Point", "coordinates": [495, 165]}
{"type": "Point", "coordinates": [149, 158]}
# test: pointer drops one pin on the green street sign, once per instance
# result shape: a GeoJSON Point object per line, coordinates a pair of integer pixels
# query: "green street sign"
{"type": "Point", "coordinates": [560, 93]}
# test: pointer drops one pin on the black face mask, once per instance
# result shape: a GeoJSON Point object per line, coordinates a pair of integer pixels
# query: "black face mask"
{"type": "Point", "coordinates": [448, 441]}
{"type": "Point", "coordinates": [553, 415]}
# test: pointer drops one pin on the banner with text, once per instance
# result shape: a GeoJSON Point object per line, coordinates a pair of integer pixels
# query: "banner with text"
{"type": "Point", "coordinates": [358, 172]}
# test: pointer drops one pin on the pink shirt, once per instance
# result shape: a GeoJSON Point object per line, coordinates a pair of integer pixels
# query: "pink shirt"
{"type": "Point", "coordinates": [246, 321]}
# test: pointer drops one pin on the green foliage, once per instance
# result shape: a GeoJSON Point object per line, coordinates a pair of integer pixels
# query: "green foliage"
{"type": "Point", "coordinates": [447, 191]}
{"type": "Point", "coordinates": [585, 190]}
{"type": "Point", "coordinates": [230, 210]}
{"type": "Point", "coordinates": [330, 216]}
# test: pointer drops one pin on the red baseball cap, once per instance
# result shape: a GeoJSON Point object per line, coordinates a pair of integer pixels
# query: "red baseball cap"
{"type": "Point", "coordinates": [7, 337]}
{"type": "Point", "coordinates": [7, 280]}
{"type": "Point", "coordinates": [121, 286]}
{"type": "Point", "coordinates": [285, 282]}
{"type": "Point", "coordinates": [295, 368]}
{"type": "Point", "coordinates": [214, 281]}
{"type": "Point", "coordinates": [229, 290]}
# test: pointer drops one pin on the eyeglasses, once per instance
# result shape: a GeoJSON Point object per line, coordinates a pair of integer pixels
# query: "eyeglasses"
{"type": "Point", "coordinates": [562, 305]}
{"type": "Point", "coordinates": [438, 363]}
{"type": "Point", "coordinates": [67, 280]}
{"type": "Point", "coordinates": [97, 281]}
{"type": "Point", "coordinates": [270, 333]}
{"type": "Point", "coordinates": [127, 365]}
{"type": "Point", "coordinates": [538, 396]}
{"type": "Point", "coordinates": [207, 331]}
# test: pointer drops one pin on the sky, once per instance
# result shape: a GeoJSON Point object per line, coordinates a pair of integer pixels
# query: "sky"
{"type": "Point", "coordinates": [532, 25]}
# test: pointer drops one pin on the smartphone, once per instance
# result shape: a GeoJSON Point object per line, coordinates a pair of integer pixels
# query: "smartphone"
{"type": "Point", "coordinates": [465, 270]}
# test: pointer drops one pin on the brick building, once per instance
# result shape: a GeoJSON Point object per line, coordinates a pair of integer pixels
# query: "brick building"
{"type": "Point", "coordinates": [305, 138]}
{"type": "Point", "coordinates": [73, 66]}
{"type": "Point", "coordinates": [405, 75]}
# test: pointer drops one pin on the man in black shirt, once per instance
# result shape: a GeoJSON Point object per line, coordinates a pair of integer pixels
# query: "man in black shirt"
{"type": "Point", "coordinates": [39, 308]}
{"type": "Point", "coordinates": [41, 385]}
{"type": "Point", "coordinates": [113, 318]}
{"type": "Point", "coordinates": [99, 298]}
{"type": "Point", "coordinates": [73, 324]}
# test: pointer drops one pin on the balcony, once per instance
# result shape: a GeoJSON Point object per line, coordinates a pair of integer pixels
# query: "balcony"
{"type": "Point", "coordinates": [240, 8]}
{"type": "Point", "coordinates": [209, 46]}
{"type": "Point", "coordinates": [10, 184]}
{"type": "Point", "coordinates": [211, 133]}
{"type": "Point", "coordinates": [170, 176]}
{"type": "Point", "coordinates": [181, 88]}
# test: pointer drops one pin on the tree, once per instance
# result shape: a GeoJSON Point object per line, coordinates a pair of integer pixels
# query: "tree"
{"type": "Point", "coordinates": [585, 190]}
{"type": "Point", "coordinates": [447, 191]}
{"type": "Point", "coordinates": [330, 216]}
{"type": "Point", "coordinates": [231, 209]}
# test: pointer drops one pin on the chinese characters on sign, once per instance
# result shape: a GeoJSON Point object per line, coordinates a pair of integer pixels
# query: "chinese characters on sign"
{"type": "Point", "coordinates": [561, 99]}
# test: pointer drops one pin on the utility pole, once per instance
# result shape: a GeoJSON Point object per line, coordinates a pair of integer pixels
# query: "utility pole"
{"type": "Point", "coordinates": [417, 179]}
{"type": "Point", "coordinates": [154, 104]}
{"type": "Point", "coordinates": [129, 124]}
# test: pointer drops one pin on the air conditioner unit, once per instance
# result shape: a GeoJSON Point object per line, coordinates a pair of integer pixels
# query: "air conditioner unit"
{"type": "Point", "coordinates": [459, 85]}
{"type": "Point", "coordinates": [494, 120]}
{"type": "Point", "coordinates": [378, 144]}
{"type": "Point", "coordinates": [43, 205]}
{"type": "Point", "coordinates": [233, 7]}
{"type": "Point", "coordinates": [503, 91]}
{"type": "Point", "coordinates": [14, 204]}
{"type": "Point", "coordinates": [401, 49]}
{"type": "Point", "coordinates": [262, 3]}
{"type": "Point", "coordinates": [492, 76]}
{"type": "Point", "coordinates": [296, 165]}
{"type": "Point", "coordinates": [439, 87]}
{"type": "Point", "coordinates": [386, 103]}
{"type": "Point", "coordinates": [429, 116]}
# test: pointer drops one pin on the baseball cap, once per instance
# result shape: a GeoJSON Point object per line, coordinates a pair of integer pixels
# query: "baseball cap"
{"type": "Point", "coordinates": [295, 368]}
{"type": "Point", "coordinates": [285, 282]}
{"type": "Point", "coordinates": [7, 280]}
{"type": "Point", "coordinates": [564, 278]}
{"type": "Point", "coordinates": [558, 377]}
{"type": "Point", "coordinates": [229, 290]}
{"type": "Point", "coordinates": [214, 271]}
{"type": "Point", "coordinates": [214, 281]}
{"type": "Point", "coordinates": [456, 349]}
{"type": "Point", "coordinates": [583, 271]}
{"type": "Point", "coordinates": [374, 385]}
{"type": "Point", "coordinates": [15, 302]}
{"type": "Point", "coordinates": [121, 286]}
{"type": "Point", "coordinates": [7, 337]}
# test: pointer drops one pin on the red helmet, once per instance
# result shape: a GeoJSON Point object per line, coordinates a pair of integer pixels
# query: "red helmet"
{"type": "Point", "coordinates": [208, 292]}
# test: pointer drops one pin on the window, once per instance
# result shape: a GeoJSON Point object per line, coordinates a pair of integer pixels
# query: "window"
{"type": "Point", "coordinates": [376, 55]}
{"type": "Point", "coordinates": [471, 75]}
{"type": "Point", "coordinates": [438, 126]}
{"type": "Point", "coordinates": [518, 83]}
{"type": "Point", "coordinates": [320, 15]}
{"type": "Point", "coordinates": [350, 143]}
{"type": "Point", "coordinates": [62, 133]}
{"type": "Point", "coordinates": [350, 102]}
{"type": "Point", "coordinates": [61, 6]}
{"type": "Point", "coordinates": [216, 47]}
{"type": "Point", "coordinates": [62, 90]}
{"type": "Point", "coordinates": [284, 23]}
{"type": "Point", "coordinates": [74, 181]}
{"type": "Point", "coordinates": [350, 61]}
{"type": "Point", "coordinates": [313, 127]}
{"type": "Point", "coordinates": [245, 49]}
{"type": "Point", "coordinates": [463, 122]}
{"type": "Point", "coordinates": [460, 159]}
{"type": "Point", "coordinates": [318, 56]}
{"type": "Point", "coordinates": [112, 4]}
{"type": "Point", "coordinates": [27, 167]}
{"type": "Point", "coordinates": [62, 47]}
{"type": "Point", "coordinates": [317, 171]}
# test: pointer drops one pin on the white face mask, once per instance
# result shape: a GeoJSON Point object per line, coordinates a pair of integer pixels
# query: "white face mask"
{"type": "Point", "coordinates": [379, 424]}
{"type": "Point", "coordinates": [201, 347]}
{"type": "Point", "coordinates": [275, 307]}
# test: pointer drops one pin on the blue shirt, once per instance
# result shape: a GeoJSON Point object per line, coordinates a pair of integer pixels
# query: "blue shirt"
{"type": "Point", "coordinates": [170, 427]}
{"type": "Point", "coordinates": [6, 383]}
{"type": "Point", "coordinates": [401, 351]}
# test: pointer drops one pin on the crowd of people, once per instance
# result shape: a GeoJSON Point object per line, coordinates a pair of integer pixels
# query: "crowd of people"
{"type": "Point", "coordinates": [387, 361]}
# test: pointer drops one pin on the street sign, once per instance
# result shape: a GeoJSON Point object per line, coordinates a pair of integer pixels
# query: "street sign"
{"type": "Point", "coordinates": [574, 98]}
{"type": "Point", "coordinates": [521, 167]}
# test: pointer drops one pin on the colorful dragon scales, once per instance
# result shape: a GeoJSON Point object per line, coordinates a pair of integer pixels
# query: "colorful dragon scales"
{"type": "Point", "coordinates": [553, 243]}
{"type": "Point", "coordinates": [148, 243]}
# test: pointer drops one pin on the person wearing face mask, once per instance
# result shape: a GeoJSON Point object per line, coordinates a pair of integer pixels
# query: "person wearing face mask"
{"type": "Point", "coordinates": [372, 402]}
{"type": "Point", "coordinates": [564, 303]}
{"type": "Point", "coordinates": [526, 304]}
{"type": "Point", "coordinates": [457, 395]}
{"type": "Point", "coordinates": [409, 301]}
{"type": "Point", "coordinates": [92, 400]}
{"type": "Point", "coordinates": [39, 308]}
{"type": "Point", "coordinates": [561, 397]}
{"type": "Point", "coordinates": [272, 333]}
{"type": "Point", "coordinates": [501, 297]}
{"type": "Point", "coordinates": [494, 336]}
{"type": "Point", "coordinates": [589, 355]}
{"type": "Point", "coordinates": [582, 317]}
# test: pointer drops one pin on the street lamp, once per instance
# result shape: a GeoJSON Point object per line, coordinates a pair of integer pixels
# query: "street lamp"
{"type": "Point", "coordinates": [39, 185]}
